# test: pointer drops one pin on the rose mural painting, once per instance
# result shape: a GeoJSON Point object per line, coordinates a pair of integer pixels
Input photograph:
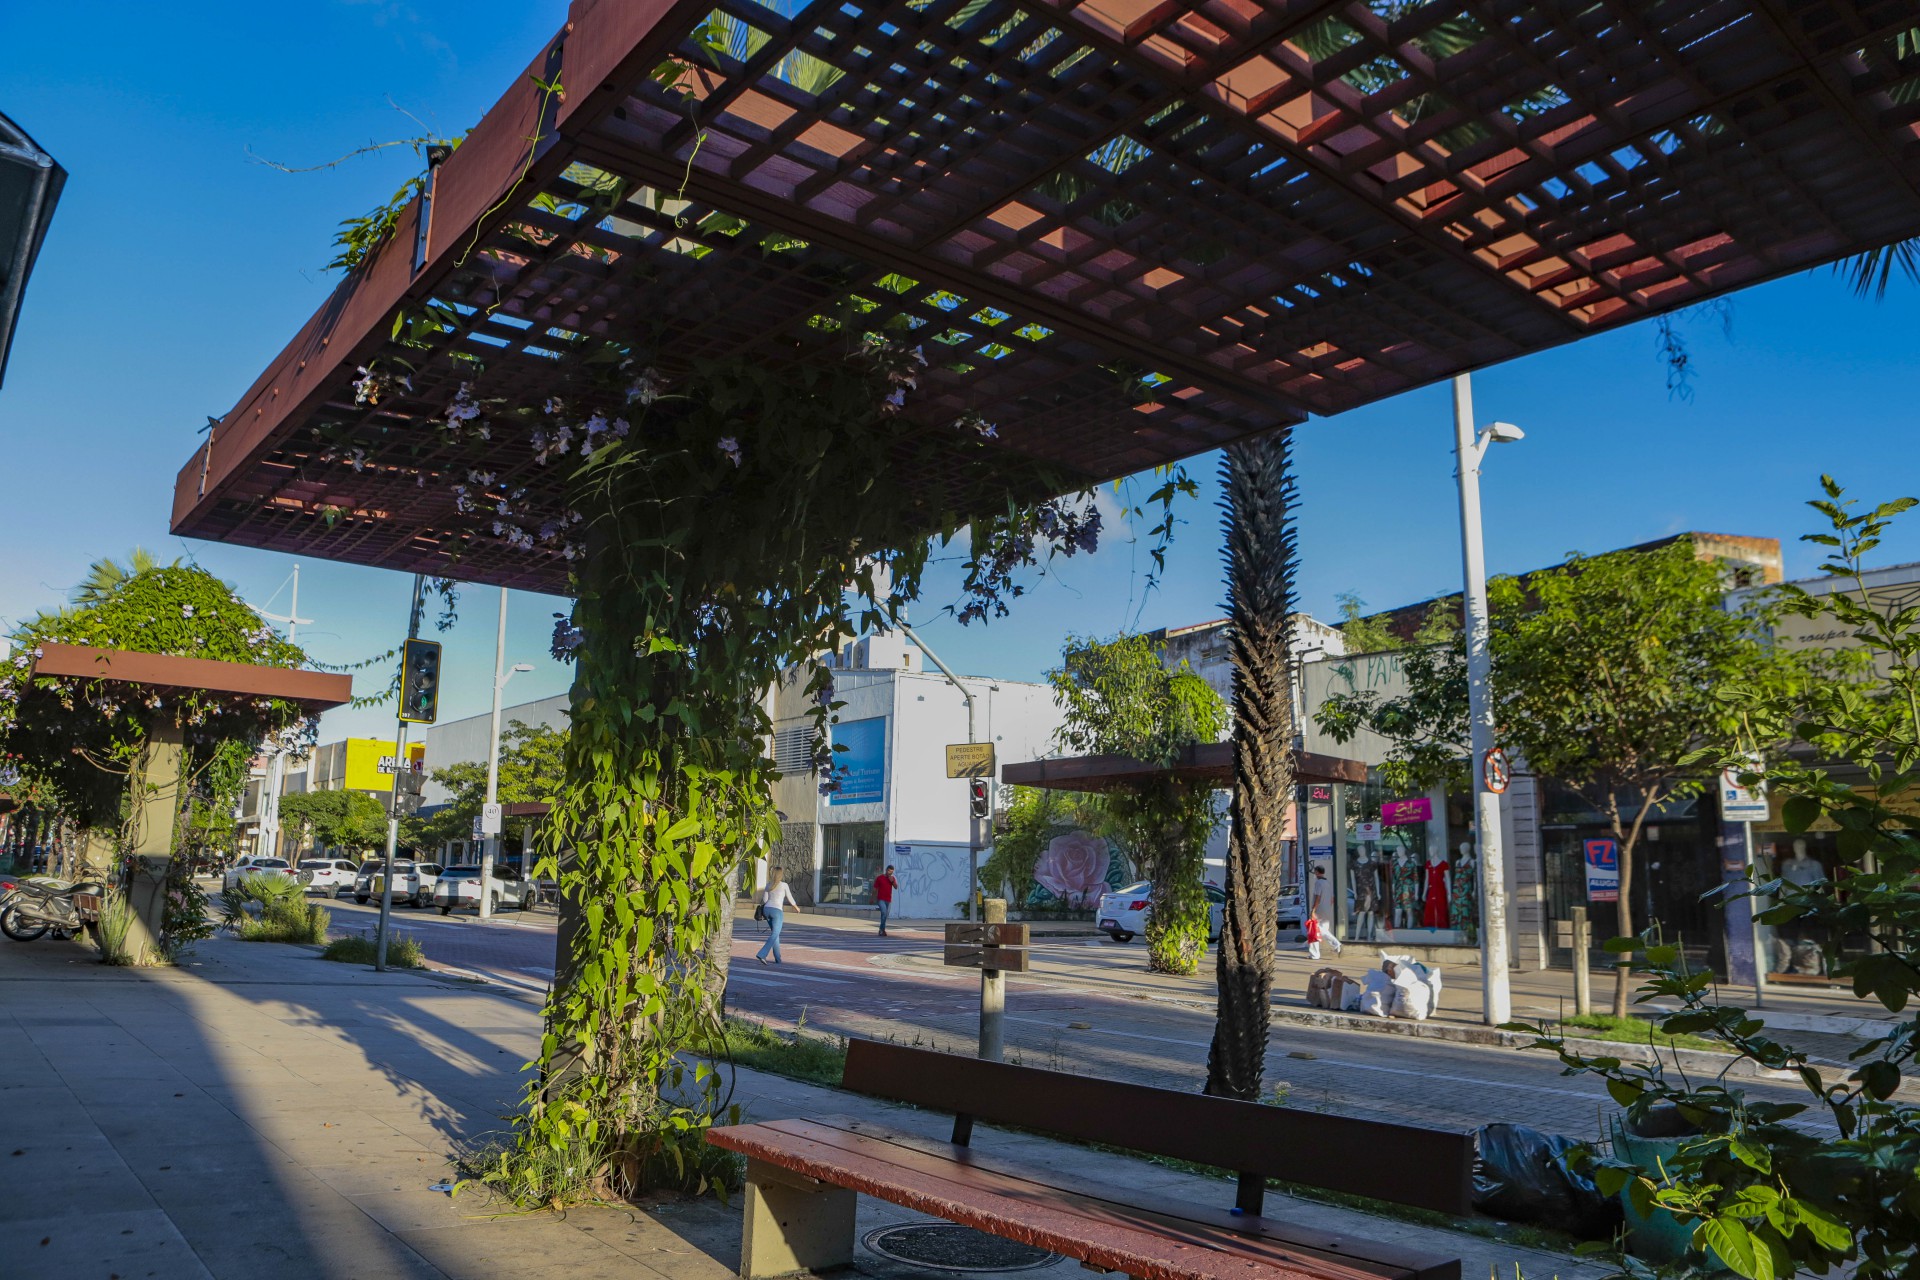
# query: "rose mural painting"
{"type": "Point", "coordinates": [1075, 869]}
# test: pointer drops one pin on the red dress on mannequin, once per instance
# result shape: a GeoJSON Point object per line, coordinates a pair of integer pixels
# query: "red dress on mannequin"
{"type": "Point", "coordinates": [1434, 914]}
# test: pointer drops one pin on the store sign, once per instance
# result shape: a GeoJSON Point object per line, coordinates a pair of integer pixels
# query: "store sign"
{"type": "Point", "coordinates": [1603, 871]}
{"type": "Point", "coordinates": [1320, 793]}
{"type": "Point", "coordinates": [1741, 804]}
{"type": "Point", "coordinates": [860, 761]}
{"type": "Point", "coordinates": [1404, 813]}
{"type": "Point", "coordinates": [1366, 831]}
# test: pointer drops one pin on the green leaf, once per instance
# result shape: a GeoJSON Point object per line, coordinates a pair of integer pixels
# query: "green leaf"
{"type": "Point", "coordinates": [1729, 1238]}
{"type": "Point", "coordinates": [1829, 1231]}
{"type": "Point", "coordinates": [1800, 812]}
{"type": "Point", "coordinates": [1880, 1079]}
{"type": "Point", "coordinates": [1625, 1092]}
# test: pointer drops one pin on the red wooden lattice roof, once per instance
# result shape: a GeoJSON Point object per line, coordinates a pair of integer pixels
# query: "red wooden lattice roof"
{"type": "Point", "coordinates": [1126, 231]}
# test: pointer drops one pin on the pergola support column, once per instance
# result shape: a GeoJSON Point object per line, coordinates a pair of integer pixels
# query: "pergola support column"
{"type": "Point", "coordinates": [156, 804]}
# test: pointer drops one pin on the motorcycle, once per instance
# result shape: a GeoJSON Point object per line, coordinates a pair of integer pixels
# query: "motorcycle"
{"type": "Point", "coordinates": [32, 907]}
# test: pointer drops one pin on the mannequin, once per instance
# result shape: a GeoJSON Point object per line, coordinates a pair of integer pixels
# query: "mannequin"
{"type": "Point", "coordinates": [1464, 893]}
{"type": "Point", "coordinates": [1406, 889]}
{"type": "Point", "coordinates": [1433, 913]}
{"type": "Point", "coordinates": [1802, 869]}
{"type": "Point", "coordinates": [1369, 894]}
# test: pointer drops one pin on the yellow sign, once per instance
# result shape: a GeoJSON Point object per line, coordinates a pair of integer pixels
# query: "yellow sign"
{"type": "Point", "coordinates": [970, 760]}
{"type": "Point", "coordinates": [363, 771]}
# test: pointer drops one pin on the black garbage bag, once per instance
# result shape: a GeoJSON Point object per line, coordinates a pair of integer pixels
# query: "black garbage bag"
{"type": "Point", "coordinates": [1523, 1175]}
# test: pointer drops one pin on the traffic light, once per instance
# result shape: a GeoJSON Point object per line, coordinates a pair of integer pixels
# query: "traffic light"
{"type": "Point", "coordinates": [420, 681]}
{"type": "Point", "coordinates": [978, 803]}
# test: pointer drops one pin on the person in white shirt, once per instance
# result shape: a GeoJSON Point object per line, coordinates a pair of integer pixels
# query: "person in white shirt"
{"type": "Point", "coordinates": [1320, 905]}
{"type": "Point", "coordinates": [775, 902]}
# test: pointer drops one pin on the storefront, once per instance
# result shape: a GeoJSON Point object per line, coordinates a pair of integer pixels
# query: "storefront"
{"type": "Point", "coordinates": [1675, 866]}
{"type": "Point", "coordinates": [1406, 867]}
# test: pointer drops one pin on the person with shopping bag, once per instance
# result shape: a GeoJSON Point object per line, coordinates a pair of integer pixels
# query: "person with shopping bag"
{"type": "Point", "coordinates": [1319, 928]}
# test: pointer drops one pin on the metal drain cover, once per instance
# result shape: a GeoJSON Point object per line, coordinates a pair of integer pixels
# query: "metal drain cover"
{"type": "Point", "coordinates": [948, 1246]}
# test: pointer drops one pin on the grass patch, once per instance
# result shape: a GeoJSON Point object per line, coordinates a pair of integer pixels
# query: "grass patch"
{"type": "Point", "coordinates": [402, 953]}
{"type": "Point", "coordinates": [814, 1059]}
{"type": "Point", "coordinates": [1630, 1030]}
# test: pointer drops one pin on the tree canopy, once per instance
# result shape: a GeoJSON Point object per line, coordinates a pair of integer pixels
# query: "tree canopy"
{"type": "Point", "coordinates": [350, 820]}
{"type": "Point", "coordinates": [1119, 697]}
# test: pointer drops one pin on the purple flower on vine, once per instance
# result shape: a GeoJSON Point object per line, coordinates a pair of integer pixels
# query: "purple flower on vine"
{"type": "Point", "coordinates": [731, 448]}
{"type": "Point", "coordinates": [567, 638]}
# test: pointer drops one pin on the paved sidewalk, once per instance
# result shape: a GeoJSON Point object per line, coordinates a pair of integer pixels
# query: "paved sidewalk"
{"type": "Point", "coordinates": [260, 1113]}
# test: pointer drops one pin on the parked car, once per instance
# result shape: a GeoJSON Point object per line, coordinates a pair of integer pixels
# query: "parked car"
{"type": "Point", "coordinates": [256, 865]}
{"type": "Point", "coordinates": [1123, 913]}
{"type": "Point", "coordinates": [412, 881]}
{"type": "Point", "coordinates": [331, 876]}
{"type": "Point", "coordinates": [460, 887]}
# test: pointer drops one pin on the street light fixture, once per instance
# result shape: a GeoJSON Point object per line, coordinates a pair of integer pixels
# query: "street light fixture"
{"type": "Point", "coordinates": [490, 850]}
{"type": "Point", "coordinates": [1496, 1000]}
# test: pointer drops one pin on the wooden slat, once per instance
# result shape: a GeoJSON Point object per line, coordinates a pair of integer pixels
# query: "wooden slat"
{"type": "Point", "coordinates": [1014, 1209]}
{"type": "Point", "coordinates": [1426, 1168]}
{"type": "Point", "coordinates": [1262, 1235]}
{"type": "Point", "coordinates": [1000, 959]}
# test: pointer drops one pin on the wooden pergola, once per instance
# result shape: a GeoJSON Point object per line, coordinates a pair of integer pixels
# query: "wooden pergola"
{"type": "Point", "coordinates": [157, 778]}
{"type": "Point", "coordinates": [1123, 231]}
{"type": "Point", "coordinates": [1207, 764]}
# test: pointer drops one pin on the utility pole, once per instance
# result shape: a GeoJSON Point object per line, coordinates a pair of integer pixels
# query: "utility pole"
{"type": "Point", "coordinates": [399, 774]}
{"type": "Point", "coordinates": [490, 850]}
{"type": "Point", "coordinates": [1469, 448]}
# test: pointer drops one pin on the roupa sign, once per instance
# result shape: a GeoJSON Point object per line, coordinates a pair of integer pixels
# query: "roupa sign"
{"type": "Point", "coordinates": [1404, 813]}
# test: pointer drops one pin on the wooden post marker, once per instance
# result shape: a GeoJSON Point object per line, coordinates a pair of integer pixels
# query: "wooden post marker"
{"type": "Point", "coordinates": [996, 948]}
{"type": "Point", "coordinates": [1582, 980]}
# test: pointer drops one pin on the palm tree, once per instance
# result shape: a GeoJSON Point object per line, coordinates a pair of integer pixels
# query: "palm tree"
{"type": "Point", "coordinates": [106, 575]}
{"type": "Point", "coordinates": [1260, 559]}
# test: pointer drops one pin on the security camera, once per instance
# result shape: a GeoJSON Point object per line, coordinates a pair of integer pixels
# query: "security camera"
{"type": "Point", "coordinates": [1504, 433]}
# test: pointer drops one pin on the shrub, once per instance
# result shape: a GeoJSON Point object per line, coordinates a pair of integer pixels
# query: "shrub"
{"type": "Point", "coordinates": [287, 919]}
{"type": "Point", "coordinates": [402, 953]}
{"type": "Point", "coordinates": [116, 921]}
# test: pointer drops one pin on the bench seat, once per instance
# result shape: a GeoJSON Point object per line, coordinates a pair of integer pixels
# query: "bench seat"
{"type": "Point", "coordinates": [803, 1174]}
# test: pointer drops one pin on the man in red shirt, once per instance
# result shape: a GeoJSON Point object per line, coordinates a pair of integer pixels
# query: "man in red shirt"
{"type": "Point", "coordinates": [883, 887]}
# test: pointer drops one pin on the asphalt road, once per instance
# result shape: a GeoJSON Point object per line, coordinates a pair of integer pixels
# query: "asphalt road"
{"type": "Point", "coordinates": [1087, 1012]}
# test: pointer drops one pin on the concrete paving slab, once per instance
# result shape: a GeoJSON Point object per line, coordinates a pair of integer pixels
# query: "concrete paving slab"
{"type": "Point", "coordinates": [49, 1180]}
{"type": "Point", "coordinates": [136, 1243]}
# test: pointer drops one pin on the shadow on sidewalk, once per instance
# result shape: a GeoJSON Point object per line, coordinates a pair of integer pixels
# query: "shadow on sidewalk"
{"type": "Point", "coordinates": [259, 1112]}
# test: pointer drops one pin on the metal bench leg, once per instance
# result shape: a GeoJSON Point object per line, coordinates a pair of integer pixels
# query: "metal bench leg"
{"type": "Point", "coordinates": [793, 1224]}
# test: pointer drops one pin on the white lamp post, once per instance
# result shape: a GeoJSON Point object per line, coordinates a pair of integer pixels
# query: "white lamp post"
{"type": "Point", "coordinates": [1470, 447]}
{"type": "Point", "coordinates": [491, 848]}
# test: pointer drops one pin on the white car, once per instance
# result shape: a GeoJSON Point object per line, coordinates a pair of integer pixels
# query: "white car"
{"type": "Point", "coordinates": [413, 882]}
{"type": "Point", "coordinates": [1123, 913]}
{"type": "Point", "coordinates": [460, 887]}
{"type": "Point", "coordinates": [255, 865]}
{"type": "Point", "coordinates": [330, 876]}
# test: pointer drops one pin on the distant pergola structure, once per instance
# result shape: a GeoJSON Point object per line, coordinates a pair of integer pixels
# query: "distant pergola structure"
{"type": "Point", "coordinates": [1126, 231]}
{"type": "Point", "coordinates": [157, 779]}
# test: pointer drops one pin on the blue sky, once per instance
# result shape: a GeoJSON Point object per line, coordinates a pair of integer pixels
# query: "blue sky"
{"type": "Point", "coordinates": [178, 266]}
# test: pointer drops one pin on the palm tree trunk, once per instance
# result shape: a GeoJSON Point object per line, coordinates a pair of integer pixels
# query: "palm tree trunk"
{"type": "Point", "coordinates": [1260, 556]}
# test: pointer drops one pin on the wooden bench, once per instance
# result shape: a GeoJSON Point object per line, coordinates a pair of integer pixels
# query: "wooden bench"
{"type": "Point", "coordinates": [803, 1176]}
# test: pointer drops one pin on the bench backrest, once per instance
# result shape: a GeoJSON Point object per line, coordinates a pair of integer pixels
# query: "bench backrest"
{"type": "Point", "coordinates": [1427, 1168]}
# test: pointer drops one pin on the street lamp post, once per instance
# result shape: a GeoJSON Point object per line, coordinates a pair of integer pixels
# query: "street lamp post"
{"type": "Point", "coordinates": [1469, 447]}
{"type": "Point", "coordinates": [490, 851]}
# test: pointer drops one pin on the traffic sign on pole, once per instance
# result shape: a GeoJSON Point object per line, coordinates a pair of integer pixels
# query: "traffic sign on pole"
{"type": "Point", "coordinates": [970, 760]}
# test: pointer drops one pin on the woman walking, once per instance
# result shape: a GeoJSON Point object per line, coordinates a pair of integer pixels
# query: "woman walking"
{"type": "Point", "coordinates": [774, 902]}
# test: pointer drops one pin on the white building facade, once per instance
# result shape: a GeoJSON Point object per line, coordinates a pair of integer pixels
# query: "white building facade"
{"type": "Point", "coordinates": [894, 804]}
